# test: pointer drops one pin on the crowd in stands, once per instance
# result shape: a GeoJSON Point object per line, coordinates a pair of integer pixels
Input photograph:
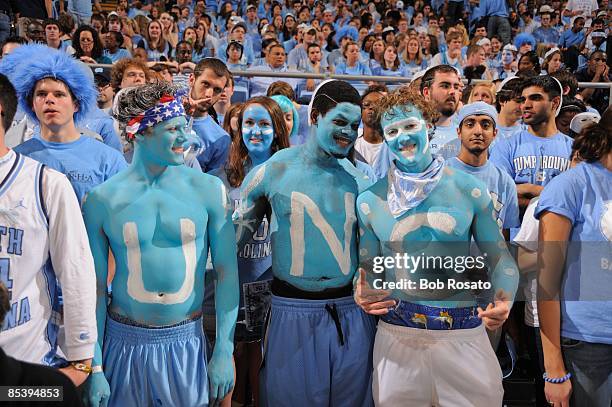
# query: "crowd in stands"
{"type": "Point", "coordinates": [483, 40]}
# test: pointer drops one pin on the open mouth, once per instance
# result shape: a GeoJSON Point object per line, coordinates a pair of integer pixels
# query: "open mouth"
{"type": "Point", "coordinates": [178, 150]}
{"type": "Point", "coordinates": [408, 148]}
{"type": "Point", "coordinates": [342, 141]}
{"type": "Point", "coordinates": [255, 140]}
{"type": "Point", "coordinates": [527, 115]}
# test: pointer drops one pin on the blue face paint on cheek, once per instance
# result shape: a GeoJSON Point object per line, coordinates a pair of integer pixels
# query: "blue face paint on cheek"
{"type": "Point", "coordinates": [257, 130]}
{"type": "Point", "coordinates": [336, 132]}
{"type": "Point", "coordinates": [405, 132]}
{"type": "Point", "coordinates": [164, 145]}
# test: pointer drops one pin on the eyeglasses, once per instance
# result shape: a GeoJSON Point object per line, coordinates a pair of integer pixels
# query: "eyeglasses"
{"type": "Point", "coordinates": [86, 40]}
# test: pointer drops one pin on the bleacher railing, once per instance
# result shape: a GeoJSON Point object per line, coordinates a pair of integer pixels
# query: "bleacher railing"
{"type": "Point", "coordinates": [372, 78]}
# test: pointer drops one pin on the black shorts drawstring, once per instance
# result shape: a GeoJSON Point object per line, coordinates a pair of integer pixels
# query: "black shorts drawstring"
{"type": "Point", "coordinates": [334, 314]}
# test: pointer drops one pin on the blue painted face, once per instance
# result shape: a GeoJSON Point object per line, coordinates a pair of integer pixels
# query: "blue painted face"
{"type": "Point", "coordinates": [405, 133]}
{"type": "Point", "coordinates": [336, 132]}
{"type": "Point", "coordinates": [164, 145]}
{"type": "Point", "coordinates": [257, 130]}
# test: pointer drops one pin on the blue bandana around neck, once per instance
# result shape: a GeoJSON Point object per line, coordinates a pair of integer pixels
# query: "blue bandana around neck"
{"type": "Point", "coordinates": [408, 190]}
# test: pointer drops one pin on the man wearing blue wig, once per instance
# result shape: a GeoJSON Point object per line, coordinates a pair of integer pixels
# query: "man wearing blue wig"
{"type": "Point", "coordinates": [56, 91]}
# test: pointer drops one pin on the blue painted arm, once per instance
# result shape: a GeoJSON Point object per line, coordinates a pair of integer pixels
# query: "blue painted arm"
{"type": "Point", "coordinates": [369, 245]}
{"type": "Point", "coordinates": [97, 389]}
{"type": "Point", "coordinates": [223, 249]}
{"type": "Point", "coordinates": [505, 275]}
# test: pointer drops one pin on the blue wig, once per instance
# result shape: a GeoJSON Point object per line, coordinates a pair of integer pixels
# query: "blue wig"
{"type": "Point", "coordinates": [287, 106]}
{"type": "Point", "coordinates": [346, 31]}
{"type": "Point", "coordinates": [522, 38]}
{"type": "Point", "coordinates": [31, 63]}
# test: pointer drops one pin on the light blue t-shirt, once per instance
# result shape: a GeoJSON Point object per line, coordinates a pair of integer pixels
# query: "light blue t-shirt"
{"type": "Point", "coordinates": [569, 38]}
{"type": "Point", "coordinates": [530, 159]}
{"type": "Point", "coordinates": [584, 196]}
{"type": "Point", "coordinates": [445, 141]}
{"type": "Point", "coordinates": [501, 189]}
{"type": "Point", "coordinates": [358, 69]}
{"type": "Point", "coordinates": [102, 123]}
{"type": "Point", "coordinates": [120, 54]}
{"type": "Point", "coordinates": [215, 142]}
{"type": "Point", "coordinates": [81, 8]}
{"type": "Point", "coordinates": [497, 8]}
{"type": "Point", "coordinates": [86, 162]}
{"type": "Point", "coordinates": [504, 132]}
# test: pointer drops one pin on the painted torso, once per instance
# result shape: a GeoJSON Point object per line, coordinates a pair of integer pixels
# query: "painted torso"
{"type": "Point", "coordinates": [158, 236]}
{"type": "Point", "coordinates": [310, 203]}
{"type": "Point", "coordinates": [433, 228]}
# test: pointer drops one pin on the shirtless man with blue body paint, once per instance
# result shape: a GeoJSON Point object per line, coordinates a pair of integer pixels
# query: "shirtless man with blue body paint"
{"type": "Point", "coordinates": [431, 347]}
{"type": "Point", "coordinates": [318, 343]}
{"type": "Point", "coordinates": [160, 218]}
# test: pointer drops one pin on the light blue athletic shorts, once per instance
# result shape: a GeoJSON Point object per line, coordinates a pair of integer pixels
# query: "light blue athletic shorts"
{"type": "Point", "coordinates": [156, 366]}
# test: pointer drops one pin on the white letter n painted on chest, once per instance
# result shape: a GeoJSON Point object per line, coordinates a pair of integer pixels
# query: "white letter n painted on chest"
{"type": "Point", "coordinates": [299, 202]}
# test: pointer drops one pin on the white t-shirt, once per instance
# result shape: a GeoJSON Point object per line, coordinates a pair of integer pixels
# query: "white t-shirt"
{"type": "Point", "coordinates": [369, 151]}
{"type": "Point", "coordinates": [586, 6]}
{"type": "Point", "coordinates": [527, 238]}
{"type": "Point", "coordinates": [43, 242]}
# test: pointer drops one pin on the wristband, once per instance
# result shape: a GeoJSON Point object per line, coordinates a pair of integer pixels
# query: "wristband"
{"type": "Point", "coordinates": [96, 369]}
{"type": "Point", "coordinates": [82, 367]}
{"type": "Point", "coordinates": [556, 380]}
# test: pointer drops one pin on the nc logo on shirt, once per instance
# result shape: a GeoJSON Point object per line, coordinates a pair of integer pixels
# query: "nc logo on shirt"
{"type": "Point", "coordinates": [606, 221]}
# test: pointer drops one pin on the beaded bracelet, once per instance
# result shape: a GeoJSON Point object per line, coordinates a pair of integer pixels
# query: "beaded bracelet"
{"type": "Point", "coordinates": [556, 380]}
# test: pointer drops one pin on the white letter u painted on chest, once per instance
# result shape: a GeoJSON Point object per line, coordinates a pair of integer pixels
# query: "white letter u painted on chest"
{"type": "Point", "coordinates": [299, 202]}
{"type": "Point", "coordinates": [135, 285]}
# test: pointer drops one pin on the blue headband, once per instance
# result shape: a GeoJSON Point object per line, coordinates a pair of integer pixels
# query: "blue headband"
{"type": "Point", "coordinates": [477, 108]}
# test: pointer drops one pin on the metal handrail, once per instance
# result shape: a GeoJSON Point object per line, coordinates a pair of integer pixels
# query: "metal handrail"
{"type": "Point", "coordinates": [364, 78]}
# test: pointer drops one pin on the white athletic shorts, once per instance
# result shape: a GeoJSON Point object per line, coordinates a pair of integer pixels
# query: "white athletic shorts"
{"type": "Point", "coordinates": [423, 368]}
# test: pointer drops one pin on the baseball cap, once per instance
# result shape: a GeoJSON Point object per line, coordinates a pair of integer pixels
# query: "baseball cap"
{"type": "Point", "coordinates": [388, 29]}
{"type": "Point", "coordinates": [236, 20]}
{"type": "Point", "coordinates": [266, 28]}
{"type": "Point", "coordinates": [477, 108]}
{"type": "Point", "coordinates": [581, 120]}
{"type": "Point", "coordinates": [598, 33]}
{"type": "Point", "coordinates": [113, 13]}
{"type": "Point", "coordinates": [101, 76]}
{"type": "Point", "coordinates": [483, 41]}
{"type": "Point", "coordinates": [251, 6]}
{"type": "Point", "coordinates": [310, 29]}
{"type": "Point", "coordinates": [510, 47]}
{"type": "Point", "coordinates": [546, 9]}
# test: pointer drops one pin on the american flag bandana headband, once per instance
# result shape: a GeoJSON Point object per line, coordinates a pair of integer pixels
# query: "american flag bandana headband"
{"type": "Point", "coordinates": [167, 108]}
